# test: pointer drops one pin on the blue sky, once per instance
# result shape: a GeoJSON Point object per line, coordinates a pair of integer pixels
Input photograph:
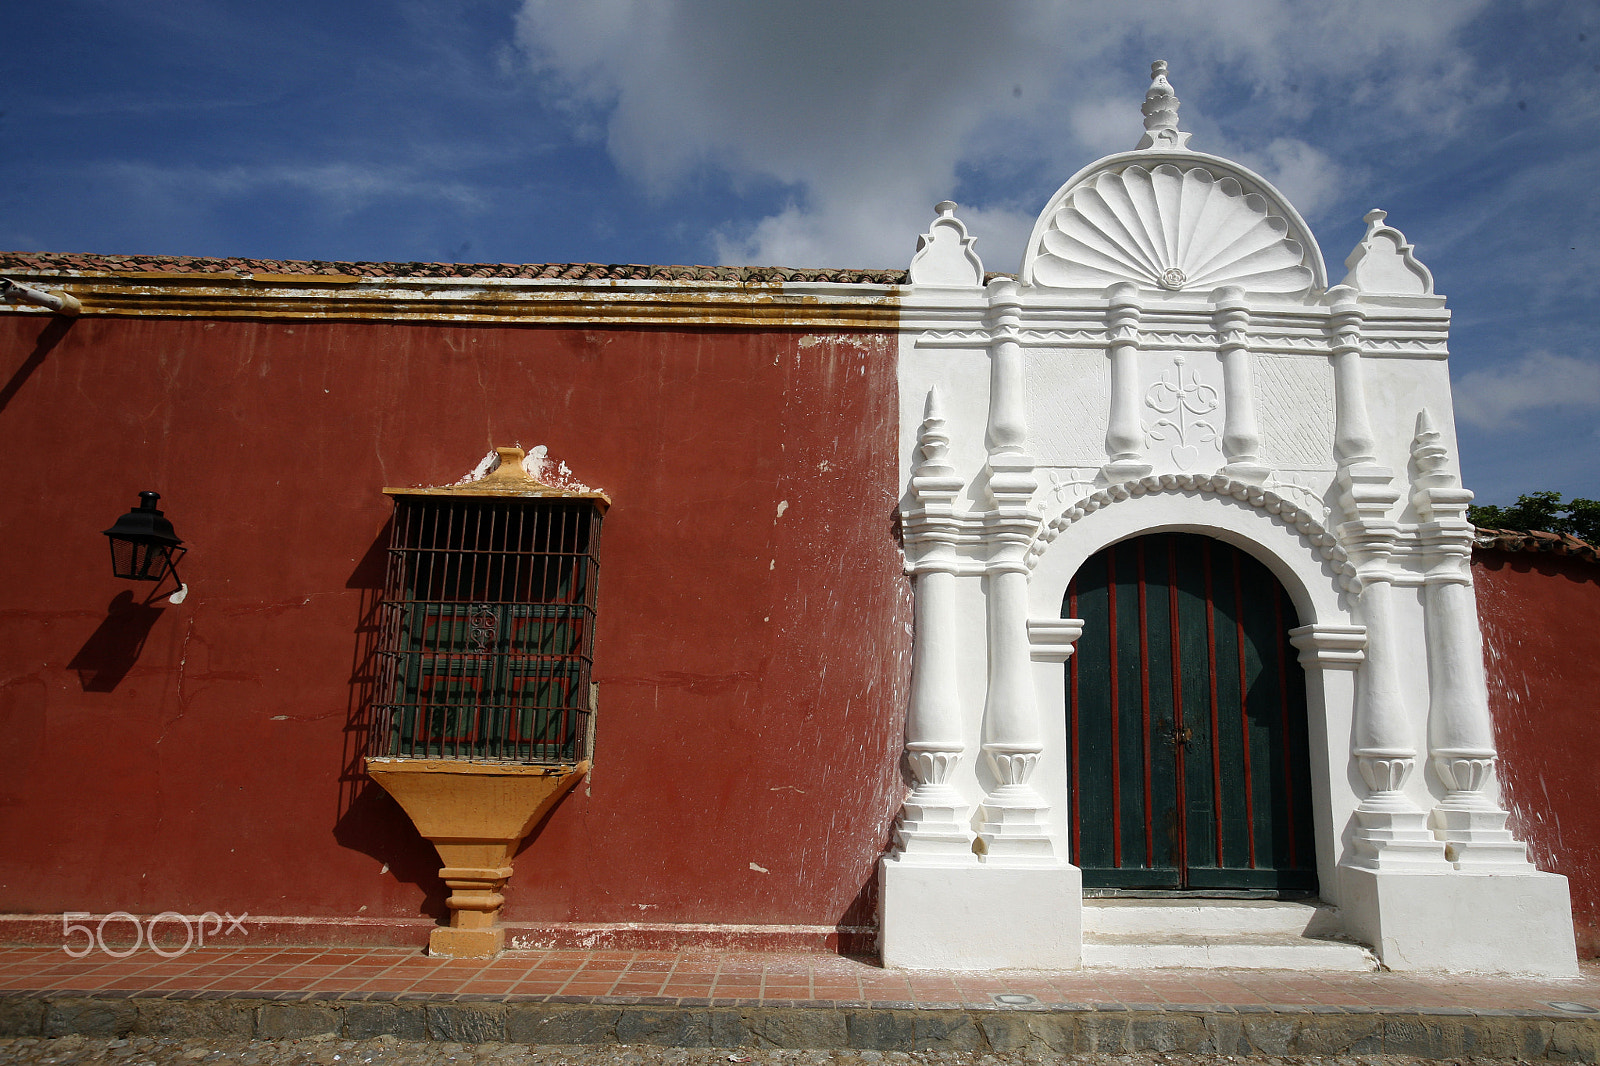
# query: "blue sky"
{"type": "Point", "coordinates": [817, 134]}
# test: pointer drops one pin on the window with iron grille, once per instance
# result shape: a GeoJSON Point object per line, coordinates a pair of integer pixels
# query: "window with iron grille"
{"type": "Point", "coordinates": [488, 629]}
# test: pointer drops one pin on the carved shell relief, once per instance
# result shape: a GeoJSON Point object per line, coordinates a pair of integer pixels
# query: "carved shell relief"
{"type": "Point", "coordinates": [1169, 228]}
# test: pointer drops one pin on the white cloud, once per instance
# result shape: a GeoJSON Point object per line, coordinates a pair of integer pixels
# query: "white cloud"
{"type": "Point", "coordinates": [340, 187]}
{"type": "Point", "coordinates": [1102, 126]}
{"type": "Point", "coordinates": [1496, 398]}
{"type": "Point", "coordinates": [1307, 176]}
{"type": "Point", "coordinates": [871, 112]}
{"type": "Point", "coordinates": [1001, 235]}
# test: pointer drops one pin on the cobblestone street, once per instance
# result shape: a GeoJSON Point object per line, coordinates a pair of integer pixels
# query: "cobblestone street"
{"type": "Point", "coordinates": [386, 1051]}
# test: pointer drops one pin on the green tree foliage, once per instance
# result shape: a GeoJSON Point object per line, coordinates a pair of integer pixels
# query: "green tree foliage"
{"type": "Point", "coordinates": [1545, 511]}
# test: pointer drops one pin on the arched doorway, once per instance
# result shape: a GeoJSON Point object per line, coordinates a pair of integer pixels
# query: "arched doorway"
{"type": "Point", "coordinates": [1186, 723]}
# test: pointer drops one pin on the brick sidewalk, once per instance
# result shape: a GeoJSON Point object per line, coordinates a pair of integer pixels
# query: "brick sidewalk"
{"type": "Point", "coordinates": [743, 979]}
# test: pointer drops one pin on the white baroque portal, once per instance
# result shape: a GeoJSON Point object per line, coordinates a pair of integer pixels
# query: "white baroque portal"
{"type": "Point", "coordinates": [1194, 617]}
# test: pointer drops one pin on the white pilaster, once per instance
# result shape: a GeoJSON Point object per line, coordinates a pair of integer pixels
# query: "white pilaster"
{"type": "Point", "coordinates": [1489, 911]}
{"type": "Point", "coordinates": [1353, 442]}
{"type": "Point", "coordinates": [1469, 819]}
{"type": "Point", "coordinates": [935, 820]}
{"type": "Point", "coordinates": [1391, 830]}
{"type": "Point", "coordinates": [1012, 828]}
{"type": "Point", "coordinates": [1008, 418]}
{"type": "Point", "coordinates": [1241, 434]}
{"type": "Point", "coordinates": [1331, 655]}
{"type": "Point", "coordinates": [941, 906]}
{"type": "Point", "coordinates": [1125, 442]}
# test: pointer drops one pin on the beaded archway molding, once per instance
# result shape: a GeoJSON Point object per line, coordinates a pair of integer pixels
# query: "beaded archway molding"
{"type": "Point", "coordinates": [1323, 542]}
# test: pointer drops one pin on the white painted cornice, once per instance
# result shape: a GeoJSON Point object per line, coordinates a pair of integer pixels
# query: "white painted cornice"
{"type": "Point", "coordinates": [1412, 333]}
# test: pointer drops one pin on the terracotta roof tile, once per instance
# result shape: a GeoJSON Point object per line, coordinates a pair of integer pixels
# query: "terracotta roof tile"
{"type": "Point", "coordinates": [76, 263]}
{"type": "Point", "coordinates": [1517, 540]}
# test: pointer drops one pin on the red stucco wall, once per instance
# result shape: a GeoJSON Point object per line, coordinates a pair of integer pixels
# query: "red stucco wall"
{"type": "Point", "coordinates": [752, 648]}
{"type": "Point", "coordinates": [1541, 628]}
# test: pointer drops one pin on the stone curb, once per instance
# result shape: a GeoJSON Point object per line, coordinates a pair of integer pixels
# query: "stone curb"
{"type": "Point", "coordinates": [1200, 1030]}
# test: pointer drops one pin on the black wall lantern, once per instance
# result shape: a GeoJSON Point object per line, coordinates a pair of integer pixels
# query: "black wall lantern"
{"type": "Point", "coordinates": [143, 544]}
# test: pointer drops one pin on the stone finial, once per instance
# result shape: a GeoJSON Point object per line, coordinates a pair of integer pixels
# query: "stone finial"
{"type": "Point", "coordinates": [945, 256]}
{"type": "Point", "coordinates": [934, 440]}
{"type": "Point", "coordinates": [1161, 112]}
{"type": "Point", "coordinates": [1428, 450]}
{"type": "Point", "coordinates": [1385, 263]}
{"type": "Point", "coordinates": [1439, 494]}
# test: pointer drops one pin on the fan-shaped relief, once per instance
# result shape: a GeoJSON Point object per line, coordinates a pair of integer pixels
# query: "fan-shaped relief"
{"type": "Point", "coordinates": [1169, 228]}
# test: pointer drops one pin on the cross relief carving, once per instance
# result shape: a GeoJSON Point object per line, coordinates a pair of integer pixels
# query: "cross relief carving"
{"type": "Point", "coordinates": [1181, 401]}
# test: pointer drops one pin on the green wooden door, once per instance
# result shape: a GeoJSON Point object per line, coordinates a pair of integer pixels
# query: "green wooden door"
{"type": "Point", "coordinates": [1186, 722]}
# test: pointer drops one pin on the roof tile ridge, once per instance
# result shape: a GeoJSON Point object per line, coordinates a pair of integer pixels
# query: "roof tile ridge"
{"type": "Point", "coordinates": [144, 263]}
{"type": "Point", "coordinates": [1535, 540]}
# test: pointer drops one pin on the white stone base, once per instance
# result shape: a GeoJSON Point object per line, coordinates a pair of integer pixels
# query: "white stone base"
{"type": "Point", "coordinates": [980, 917]}
{"type": "Point", "coordinates": [1456, 920]}
{"type": "Point", "coordinates": [1476, 838]}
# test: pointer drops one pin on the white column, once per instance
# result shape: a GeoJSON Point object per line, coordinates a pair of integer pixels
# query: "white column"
{"type": "Point", "coordinates": [1012, 827]}
{"type": "Point", "coordinates": [1125, 443]}
{"type": "Point", "coordinates": [1012, 817]}
{"type": "Point", "coordinates": [935, 820]}
{"type": "Point", "coordinates": [1400, 894]}
{"type": "Point", "coordinates": [1391, 831]}
{"type": "Point", "coordinates": [1469, 819]}
{"type": "Point", "coordinates": [1367, 488]}
{"type": "Point", "coordinates": [1353, 441]}
{"type": "Point", "coordinates": [1008, 413]}
{"type": "Point", "coordinates": [1241, 435]}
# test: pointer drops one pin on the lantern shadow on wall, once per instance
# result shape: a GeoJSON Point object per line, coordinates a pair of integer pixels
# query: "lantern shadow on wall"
{"type": "Point", "coordinates": [114, 646]}
{"type": "Point", "coordinates": [368, 820]}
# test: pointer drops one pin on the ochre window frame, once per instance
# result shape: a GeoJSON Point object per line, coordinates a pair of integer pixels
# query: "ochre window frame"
{"type": "Point", "coordinates": [492, 581]}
